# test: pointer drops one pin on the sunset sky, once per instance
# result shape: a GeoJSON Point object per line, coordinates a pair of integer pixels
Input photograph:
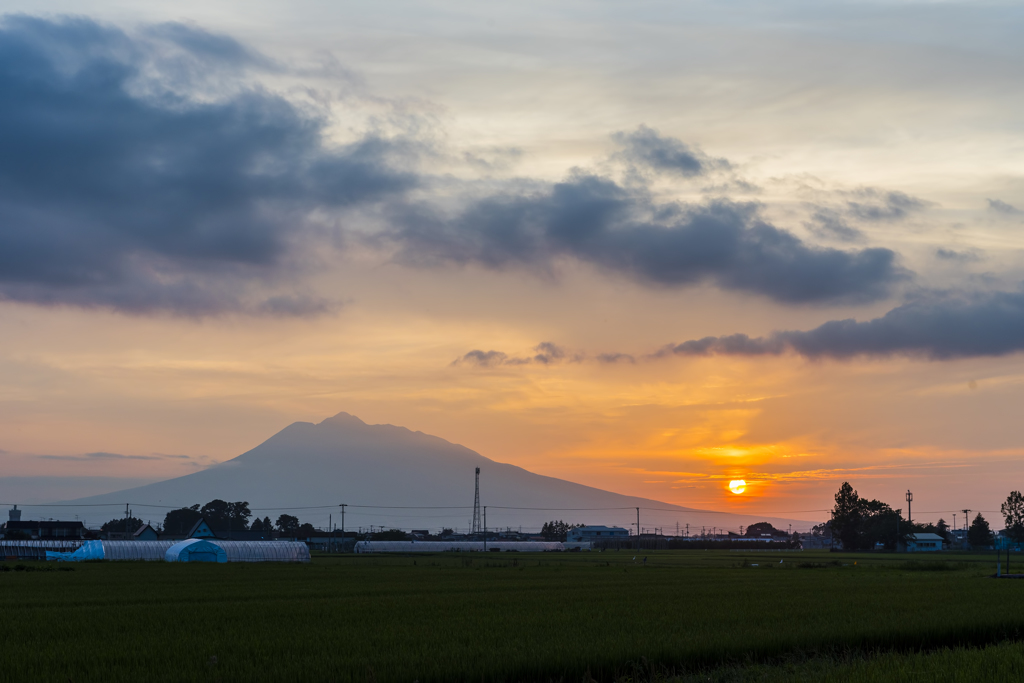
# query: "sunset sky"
{"type": "Point", "coordinates": [648, 246]}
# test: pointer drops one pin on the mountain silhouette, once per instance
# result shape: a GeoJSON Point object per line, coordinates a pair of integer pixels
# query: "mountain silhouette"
{"type": "Point", "coordinates": [393, 477]}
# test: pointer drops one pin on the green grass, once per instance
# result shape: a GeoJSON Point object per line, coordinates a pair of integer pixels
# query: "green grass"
{"type": "Point", "coordinates": [686, 615]}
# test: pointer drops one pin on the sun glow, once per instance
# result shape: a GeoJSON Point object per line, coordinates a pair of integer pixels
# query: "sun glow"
{"type": "Point", "coordinates": [738, 486]}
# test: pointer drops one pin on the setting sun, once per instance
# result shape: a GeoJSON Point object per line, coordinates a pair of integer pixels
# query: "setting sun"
{"type": "Point", "coordinates": [738, 486]}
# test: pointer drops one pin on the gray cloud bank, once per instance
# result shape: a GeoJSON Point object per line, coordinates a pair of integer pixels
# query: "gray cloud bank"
{"type": "Point", "coordinates": [140, 173]}
{"type": "Point", "coordinates": [939, 328]}
{"type": "Point", "coordinates": [936, 327]}
{"type": "Point", "coordinates": [117, 190]}
{"type": "Point", "coordinates": [622, 230]}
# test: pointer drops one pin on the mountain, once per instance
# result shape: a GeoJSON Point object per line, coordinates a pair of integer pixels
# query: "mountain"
{"type": "Point", "coordinates": [410, 476]}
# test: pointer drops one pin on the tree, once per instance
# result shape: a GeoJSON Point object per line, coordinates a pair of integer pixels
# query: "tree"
{"type": "Point", "coordinates": [759, 529]}
{"type": "Point", "coordinates": [391, 535]}
{"type": "Point", "coordinates": [262, 524]}
{"type": "Point", "coordinates": [861, 524]}
{"type": "Point", "coordinates": [287, 524]}
{"type": "Point", "coordinates": [846, 516]}
{"type": "Point", "coordinates": [1013, 514]}
{"type": "Point", "coordinates": [823, 530]}
{"type": "Point", "coordinates": [556, 530]}
{"type": "Point", "coordinates": [179, 522]}
{"type": "Point", "coordinates": [979, 535]}
{"type": "Point", "coordinates": [117, 525]}
{"type": "Point", "coordinates": [942, 529]}
{"type": "Point", "coordinates": [306, 530]}
{"type": "Point", "coordinates": [224, 516]}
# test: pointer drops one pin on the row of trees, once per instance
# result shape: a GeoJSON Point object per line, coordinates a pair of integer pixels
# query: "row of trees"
{"type": "Point", "coordinates": [862, 524]}
{"type": "Point", "coordinates": [557, 530]}
{"type": "Point", "coordinates": [220, 515]}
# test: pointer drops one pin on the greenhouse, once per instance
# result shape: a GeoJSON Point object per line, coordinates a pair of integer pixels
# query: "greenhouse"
{"type": "Point", "coordinates": [195, 550]}
{"type": "Point", "coordinates": [457, 546]}
{"type": "Point", "coordinates": [230, 551]}
{"type": "Point", "coordinates": [35, 550]}
{"type": "Point", "coordinates": [264, 551]}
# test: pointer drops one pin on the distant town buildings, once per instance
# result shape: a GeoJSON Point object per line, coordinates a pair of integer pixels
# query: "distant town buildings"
{"type": "Point", "coordinates": [589, 534]}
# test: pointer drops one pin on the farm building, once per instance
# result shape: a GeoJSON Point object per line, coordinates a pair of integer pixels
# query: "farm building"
{"type": "Point", "coordinates": [145, 533]}
{"type": "Point", "coordinates": [923, 543]}
{"type": "Point", "coordinates": [43, 531]}
{"type": "Point", "coordinates": [585, 534]}
{"type": "Point", "coordinates": [456, 546]}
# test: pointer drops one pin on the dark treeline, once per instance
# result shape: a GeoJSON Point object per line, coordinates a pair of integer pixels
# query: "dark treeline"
{"type": "Point", "coordinates": [221, 516]}
{"type": "Point", "coordinates": [862, 524]}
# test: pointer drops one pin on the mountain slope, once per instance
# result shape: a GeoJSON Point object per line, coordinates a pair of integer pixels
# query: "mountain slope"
{"type": "Point", "coordinates": [344, 460]}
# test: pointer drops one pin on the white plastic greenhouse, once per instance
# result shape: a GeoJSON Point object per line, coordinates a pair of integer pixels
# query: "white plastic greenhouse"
{"type": "Point", "coordinates": [195, 550]}
{"type": "Point", "coordinates": [230, 551]}
{"type": "Point", "coordinates": [457, 546]}
{"type": "Point", "coordinates": [35, 550]}
{"type": "Point", "coordinates": [265, 551]}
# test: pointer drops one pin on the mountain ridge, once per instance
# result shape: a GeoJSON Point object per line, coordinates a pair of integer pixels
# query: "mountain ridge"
{"type": "Point", "coordinates": [380, 471]}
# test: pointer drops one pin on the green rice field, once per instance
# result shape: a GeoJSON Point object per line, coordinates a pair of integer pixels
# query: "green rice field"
{"type": "Point", "coordinates": [682, 616]}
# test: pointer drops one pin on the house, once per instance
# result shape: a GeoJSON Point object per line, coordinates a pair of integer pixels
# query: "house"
{"type": "Point", "coordinates": [201, 530]}
{"type": "Point", "coordinates": [923, 543]}
{"type": "Point", "coordinates": [145, 533]}
{"type": "Point", "coordinates": [44, 531]}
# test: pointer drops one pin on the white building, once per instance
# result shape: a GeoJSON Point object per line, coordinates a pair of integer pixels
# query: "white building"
{"type": "Point", "coordinates": [924, 543]}
{"type": "Point", "coordinates": [584, 536]}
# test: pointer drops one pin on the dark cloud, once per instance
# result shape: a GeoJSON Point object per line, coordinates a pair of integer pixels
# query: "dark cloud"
{"type": "Point", "coordinates": [938, 327]}
{"type": "Point", "coordinates": [100, 456]}
{"type": "Point", "coordinates": [482, 358]}
{"type": "Point", "coordinates": [139, 172]}
{"type": "Point", "coordinates": [829, 223]}
{"type": "Point", "coordinates": [646, 147]}
{"type": "Point", "coordinates": [876, 205]}
{"type": "Point", "coordinates": [546, 353]}
{"type": "Point", "coordinates": [1002, 207]}
{"type": "Point", "coordinates": [960, 256]}
{"type": "Point", "coordinates": [615, 358]}
{"type": "Point", "coordinates": [597, 221]}
{"type": "Point", "coordinates": [120, 189]}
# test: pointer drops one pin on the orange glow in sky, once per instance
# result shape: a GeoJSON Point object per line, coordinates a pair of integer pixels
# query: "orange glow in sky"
{"type": "Point", "coordinates": [675, 252]}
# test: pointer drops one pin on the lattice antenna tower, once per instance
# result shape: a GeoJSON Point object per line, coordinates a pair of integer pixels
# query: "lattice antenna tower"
{"type": "Point", "coordinates": [477, 528]}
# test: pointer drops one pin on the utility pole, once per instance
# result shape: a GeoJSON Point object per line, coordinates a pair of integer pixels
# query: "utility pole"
{"type": "Point", "coordinates": [966, 513]}
{"type": "Point", "coordinates": [127, 514]}
{"type": "Point", "coordinates": [638, 528]}
{"type": "Point", "coordinates": [343, 506]}
{"type": "Point", "coordinates": [485, 528]}
{"type": "Point", "coordinates": [910, 513]}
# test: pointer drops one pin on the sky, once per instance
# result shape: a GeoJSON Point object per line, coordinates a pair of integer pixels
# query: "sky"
{"type": "Point", "coordinates": [651, 247]}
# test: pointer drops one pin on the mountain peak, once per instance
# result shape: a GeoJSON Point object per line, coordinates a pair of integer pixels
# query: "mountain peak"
{"type": "Point", "coordinates": [344, 419]}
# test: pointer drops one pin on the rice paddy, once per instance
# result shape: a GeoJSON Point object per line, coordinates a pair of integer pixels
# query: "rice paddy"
{"type": "Point", "coordinates": [681, 615]}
